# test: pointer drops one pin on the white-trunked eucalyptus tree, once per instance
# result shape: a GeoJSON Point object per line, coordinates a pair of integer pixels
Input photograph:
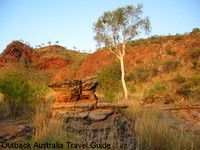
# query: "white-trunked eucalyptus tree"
{"type": "Point", "coordinates": [115, 28]}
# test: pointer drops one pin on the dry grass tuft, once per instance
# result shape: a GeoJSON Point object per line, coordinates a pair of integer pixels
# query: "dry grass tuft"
{"type": "Point", "coordinates": [157, 130]}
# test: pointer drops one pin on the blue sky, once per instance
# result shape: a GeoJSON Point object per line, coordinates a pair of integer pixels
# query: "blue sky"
{"type": "Point", "coordinates": [70, 21]}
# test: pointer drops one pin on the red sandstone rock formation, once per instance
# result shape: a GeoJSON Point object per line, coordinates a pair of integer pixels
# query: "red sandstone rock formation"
{"type": "Point", "coordinates": [18, 52]}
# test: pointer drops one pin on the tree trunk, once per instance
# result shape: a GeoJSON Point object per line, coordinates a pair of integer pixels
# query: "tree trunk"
{"type": "Point", "coordinates": [123, 77]}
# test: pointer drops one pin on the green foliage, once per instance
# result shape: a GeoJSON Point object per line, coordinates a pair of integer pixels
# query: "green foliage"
{"type": "Point", "coordinates": [170, 65]}
{"type": "Point", "coordinates": [195, 80]}
{"type": "Point", "coordinates": [132, 88]}
{"type": "Point", "coordinates": [110, 95]}
{"type": "Point", "coordinates": [180, 79]}
{"type": "Point", "coordinates": [109, 81]}
{"type": "Point", "coordinates": [18, 93]}
{"type": "Point", "coordinates": [157, 88]}
{"type": "Point", "coordinates": [191, 89]}
{"type": "Point", "coordinates": [20, 96]}
{"type": "Point", "coordinates": [4, 110]}
{"type": "Point", "coordinates": [170, 52]}
{"type": "Point", "coordinates": [120, 25]}
{"type": "Point", "coordinates": [156, 39]}
{"type": "Point", "coordinates": [178, 37]}
{"type": "Point", "coordinates": [140, 74]}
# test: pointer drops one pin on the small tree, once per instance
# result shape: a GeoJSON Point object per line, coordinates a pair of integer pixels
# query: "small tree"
{"type": "Point", "coordinates": [115, 28]}
{"type": "Point", "coordinates": [49, 42]}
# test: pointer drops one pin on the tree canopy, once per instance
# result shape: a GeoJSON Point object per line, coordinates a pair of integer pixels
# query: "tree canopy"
{"type": "Point", "coordinates": [119, 26]}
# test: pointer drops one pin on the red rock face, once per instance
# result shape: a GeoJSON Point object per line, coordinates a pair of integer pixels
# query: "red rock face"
{"type": "Point", "coordinates": [17, 52]}
{"type": "Point", "coordinates": [52, 63]}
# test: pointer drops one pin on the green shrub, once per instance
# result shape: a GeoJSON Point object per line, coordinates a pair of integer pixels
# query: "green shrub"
{"type": "Point", "coordinates": [170, 65]}
{"type": "Point", "coordinates": [18, 94]}
{"type": "Point", "coordinates": [191, 89]}
{"type": "Point", "coordinates": [4, 110]}
{"type": "Point", "coordinates": [21, 96]}
{"type": "Point", "coordinates": [140, 74]}
{"type": "Point", "coordinates": [195, 80]}
{"type": "Point", "coordinates": [110, 95]}
{"type": "Point", "coordinates": [109, 81]}
{"type": "Point", "coordinates": [132, 87]}
{"type": "Point", "coordinates": [180, 79]}
{"type": "Point", "coordinates": [157, 88]}
{"type": "Point", "coordinates": [177, 37]}
{"type": "Point", "coordinates": [170, 52]}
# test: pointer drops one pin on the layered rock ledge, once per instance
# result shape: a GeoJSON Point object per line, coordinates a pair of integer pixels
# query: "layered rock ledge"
{"type": "Point", "coordinates": [88, 120]}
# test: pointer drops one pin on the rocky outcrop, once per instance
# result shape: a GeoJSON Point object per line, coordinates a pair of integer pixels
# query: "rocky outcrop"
{"type": "Point", "coordinates": [18, 52]}
{"type": "Point", "coordinates": [74, 90]}
{"type": "Point", "coordinates": [89, 121]}
{"type": "Point", "coordinates": [100, 126]}
{"type": "Point", "coordinates": [67, 90]}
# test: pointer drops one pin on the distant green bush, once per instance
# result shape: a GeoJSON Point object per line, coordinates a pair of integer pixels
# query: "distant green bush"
{"type": "Point", "coordinates": [132, 88]}
{"type": "Point", "coordinates": [190, 89]}
{"type": "Point", "coordinates": [180, 79]}
{"type": "Point", "coordinates": [140, 74]}
{"type": "Point", "coordinates": [195, 80]}
{"type": "Point", "coordinates": [157, 88]}
{"type": "Point", "coordinates": [109, 81]}
{"type": "Point", "coordinates": [195, 54]}
{"type": "Point", "coordinates": [170, 52]}
{"type": "Point", "coordinates": [170, 65]}
{"type": "Point", "coordinates": [177, 37]}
